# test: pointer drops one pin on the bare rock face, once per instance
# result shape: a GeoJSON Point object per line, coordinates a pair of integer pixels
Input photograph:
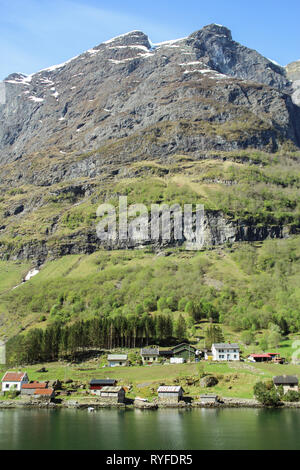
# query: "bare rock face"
{"type": "Point", "coordinates": [68, 129]}
{"type": "Point", "coordinates": [124, 86]}
{"type": "Point", "coordinates": [293, 73]}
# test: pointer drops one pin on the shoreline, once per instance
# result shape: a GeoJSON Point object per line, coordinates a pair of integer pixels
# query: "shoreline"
{"type": "Point", "coordinates": [74, 404]}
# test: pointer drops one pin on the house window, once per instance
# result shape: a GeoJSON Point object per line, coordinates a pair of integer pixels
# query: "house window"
{"type": "Point", "coordinates": [7, 385]}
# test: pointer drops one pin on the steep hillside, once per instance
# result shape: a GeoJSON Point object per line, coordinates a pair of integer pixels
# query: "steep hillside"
{"type": "Point", "coordinates": [199, 120]}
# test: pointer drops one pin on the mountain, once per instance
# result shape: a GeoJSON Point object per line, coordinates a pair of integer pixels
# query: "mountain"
{"type": "Point", "coordinates": [201, 117]}
{"type": "Point", "coordinates": [199, 120]}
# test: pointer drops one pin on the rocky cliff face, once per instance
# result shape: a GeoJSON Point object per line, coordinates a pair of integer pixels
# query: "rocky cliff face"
{"type": "Point", "coordinates": [126, 85]}
{"type": "Point", "coordinates": [84, 123]}
{"type": "Point", "coordinates": [293, 73]}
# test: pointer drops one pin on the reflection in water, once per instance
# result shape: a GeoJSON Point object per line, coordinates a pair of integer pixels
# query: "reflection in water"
{"type": "Point", "coordinates": [141, 429]}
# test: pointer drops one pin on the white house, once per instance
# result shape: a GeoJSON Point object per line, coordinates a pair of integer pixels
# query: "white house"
{"type": "Point", "coordinates": [225, 352]}
{"type": "Point", "coordinates": [115, 360]}
{"type": "Point", "coordinates": [150, 355]}
{"type": "Point", "coordinates": [14, 380]}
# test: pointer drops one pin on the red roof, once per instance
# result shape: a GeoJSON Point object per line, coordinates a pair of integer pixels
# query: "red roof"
{"type": "Point", "coordinates": [261, 355]}
{"type": "Point", "coordinates": [13, 377]}
{"type": "Point", "coordinates": [35, 385]}
{"type": "Point", "coordinates": [45, 391]}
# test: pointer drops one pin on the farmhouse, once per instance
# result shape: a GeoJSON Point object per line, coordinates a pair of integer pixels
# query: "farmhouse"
{"type": "Point", "coordinates": [170, 394]}
{"type": "Point", "coordinates": [97, 384]}
{"type": "Point", "coordinates": [115, 360]}
{"type": "Point", "coordinates": [225, 352]}
{"type": "Point", "coordinates": [112, 394]}
{"type": "Point", "coordinates": [150, 355]}
{"type": "Point", "coordinates": [185, 351]}
{"type": "Point", "coordinates": [14, 380]}
{"type": "Point", "coordinates": [289, 382]}
{"type": "Point", "coordinates": [31, 388]}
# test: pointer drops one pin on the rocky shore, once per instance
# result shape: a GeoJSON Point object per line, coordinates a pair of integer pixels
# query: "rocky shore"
{"type": "Point", "coordinates": [137, 404]}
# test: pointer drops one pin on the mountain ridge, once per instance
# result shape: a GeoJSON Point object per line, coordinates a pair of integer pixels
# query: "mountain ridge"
{"type": "Point", "coordinates": [195, 114]}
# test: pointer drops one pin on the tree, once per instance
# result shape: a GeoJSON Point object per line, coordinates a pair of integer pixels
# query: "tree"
{"type": "Point", "coordinates": [263, 343]}
{"type": "Point", "coordinates": [247, 337]}
{"type": "Point", "coordinates": [292, 396]}
{"type": "Point", "coordinates": [180, 328]}
{"type": "Point", "coordinates": [162, 304]}
{"type": "Point", "coordinates": [266, 394]}
{"type": "Point", "coordinates": [274, 339]}
{"type": "Point", "coordinates": [213, 334]}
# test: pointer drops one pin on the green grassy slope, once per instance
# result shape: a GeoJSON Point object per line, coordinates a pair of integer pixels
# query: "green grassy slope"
{"type": "Point", "coordinates": [249, 285]}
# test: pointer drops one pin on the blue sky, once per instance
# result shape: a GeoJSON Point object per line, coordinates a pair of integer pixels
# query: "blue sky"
{"type": "Point", "coordinates": [35, 34]}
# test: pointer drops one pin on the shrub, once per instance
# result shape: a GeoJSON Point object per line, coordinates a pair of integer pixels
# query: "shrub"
{"type": "Point", "coordinates": [291, 396]}
{"type": "Point", "coordinates": [266, 394]}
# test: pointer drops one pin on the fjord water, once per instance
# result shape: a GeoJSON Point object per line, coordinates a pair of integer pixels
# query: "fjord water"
{"type": "Point", "coordinates": [227, 429]}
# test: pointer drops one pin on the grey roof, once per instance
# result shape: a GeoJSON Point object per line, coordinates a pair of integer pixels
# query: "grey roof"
{"type": "Point", "coordinates": [171, 389]}
{"type": "Point", "coordinates": [209, 396]}
{"type": "Point", "coordinates": [103, 381]}
{"type": "Point", "coordinates": [226, 346]}
{"type": "Point", "coordinates": [183, 346]}
{"type": "Point", "coordinates": [150, 352]}
{"type": "Point", "coordinates": [166, 352]}
{"type": "Point", "coordinates": [285, 380]}
{"type": "Point", "coordinates": [117, 357]}
{"type": "Point", "coordinates": [111, 389]}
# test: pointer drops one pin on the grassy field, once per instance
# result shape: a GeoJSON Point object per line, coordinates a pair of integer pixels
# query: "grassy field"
{"type": "Point", "coordinates": [235, 379]}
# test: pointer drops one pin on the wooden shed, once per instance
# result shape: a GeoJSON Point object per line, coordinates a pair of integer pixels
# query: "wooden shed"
{"type": "Point", "coordinates": [97, 384]}
{"type": "Point", "coordinates": [112, 394]}
{"type": "Point", "coordinates": [172, 394]}
{"type": "Point", "coordinates": [208, 399]}
{"type": "Point", "coordinates": [31, 388]}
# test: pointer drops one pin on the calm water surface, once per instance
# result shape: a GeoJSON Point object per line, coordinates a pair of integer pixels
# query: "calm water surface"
{"type": "Point", "coordinates": [153, 430]}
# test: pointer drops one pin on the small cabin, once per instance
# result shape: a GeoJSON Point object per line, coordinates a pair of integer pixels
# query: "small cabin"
{"type": "Point", "coordinates": [170, 394]}
{"type": "Point", "coordinates": [45, 394]}
{"type": "Point", "coordinates": [112, 394]}
{"type": "Point", "coordinates": [208, 399]}
{"type": "Point", "coordinates": [97, 384]}
{"type": "Point", "coordinates": [32, 387]}
{"type": "Point", "coordinates": [116, 360]}
{"type": "Point", "coordinates": [289, 382]}
{"type": "Point", "coordinates": [150, 355]}
{"type": "Point", "coordinates": [14, 381]}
